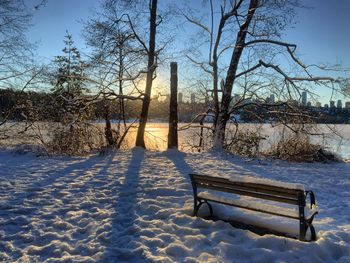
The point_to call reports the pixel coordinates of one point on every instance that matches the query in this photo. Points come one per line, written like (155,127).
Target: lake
(335,137)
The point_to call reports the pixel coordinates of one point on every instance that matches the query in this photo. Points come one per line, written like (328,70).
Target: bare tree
(17,69)
(131,15)
(16,60)
(251,31)
(116,60)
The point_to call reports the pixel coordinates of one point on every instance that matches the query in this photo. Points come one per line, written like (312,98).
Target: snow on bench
(277,192)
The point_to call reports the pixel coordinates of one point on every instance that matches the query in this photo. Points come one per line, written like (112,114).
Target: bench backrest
(257,190)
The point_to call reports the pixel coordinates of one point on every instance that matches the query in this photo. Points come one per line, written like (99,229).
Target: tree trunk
(140,141)
(224,113)
(215,89)
(108,128)
(173,119)
(120,77)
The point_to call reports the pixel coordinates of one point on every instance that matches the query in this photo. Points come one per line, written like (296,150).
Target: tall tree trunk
(140,141)
(173,119)
(215,65)
(215,89)
(120,76)
(224,113)
(108,128)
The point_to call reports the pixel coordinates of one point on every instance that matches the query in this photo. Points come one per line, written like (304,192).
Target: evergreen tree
(69,85)
(70,72)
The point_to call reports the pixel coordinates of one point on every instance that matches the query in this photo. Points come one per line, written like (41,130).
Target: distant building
(193,98)
(318,104)
(179,97)
(326,106)
(339,104)
(347,104)
(309,104)
(332,104)
(304,98)
(272,99)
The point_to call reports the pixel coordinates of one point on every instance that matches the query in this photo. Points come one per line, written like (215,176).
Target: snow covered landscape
(136,205)
(119,119)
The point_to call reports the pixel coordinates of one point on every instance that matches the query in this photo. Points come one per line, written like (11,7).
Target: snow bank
(136,206)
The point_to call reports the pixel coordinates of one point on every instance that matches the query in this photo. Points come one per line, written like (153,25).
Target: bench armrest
(312,198)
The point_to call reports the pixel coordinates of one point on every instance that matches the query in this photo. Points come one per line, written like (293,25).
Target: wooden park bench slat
(276,193)
(252,188)
(248,193)
(254,206)
(283,190)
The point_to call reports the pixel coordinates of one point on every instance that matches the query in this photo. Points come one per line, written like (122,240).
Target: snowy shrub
(245,143)
(197,140)
(299,148)
(76,139)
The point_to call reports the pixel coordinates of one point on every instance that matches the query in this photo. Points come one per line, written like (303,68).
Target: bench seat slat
(199,178)
(252,194)
(259,207)
(249,188)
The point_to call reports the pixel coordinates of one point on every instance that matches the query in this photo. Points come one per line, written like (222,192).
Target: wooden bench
(278,193)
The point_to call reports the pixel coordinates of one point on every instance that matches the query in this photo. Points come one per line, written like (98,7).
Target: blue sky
(51,21)
(322,32)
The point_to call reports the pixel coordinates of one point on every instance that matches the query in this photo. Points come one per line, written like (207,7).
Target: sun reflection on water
(156,136)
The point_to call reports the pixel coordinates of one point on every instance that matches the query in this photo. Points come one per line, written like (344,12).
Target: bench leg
(198,204)
(211,210)
(305,224)
(195,207)
(313,232)
(312,229)
(302,232)
(302,224)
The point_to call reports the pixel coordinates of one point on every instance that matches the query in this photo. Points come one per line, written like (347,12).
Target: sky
(321,33)
(52,20)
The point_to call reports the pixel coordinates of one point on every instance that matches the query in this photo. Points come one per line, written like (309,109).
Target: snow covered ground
(135,206)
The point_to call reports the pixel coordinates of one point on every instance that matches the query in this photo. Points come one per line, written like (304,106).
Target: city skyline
(192,98)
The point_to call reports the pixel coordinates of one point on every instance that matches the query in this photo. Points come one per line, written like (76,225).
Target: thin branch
(197,23)
(136,35)
(200,64)
(249,70)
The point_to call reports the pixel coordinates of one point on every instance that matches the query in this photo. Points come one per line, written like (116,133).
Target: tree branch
(197,23)
(200,64)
